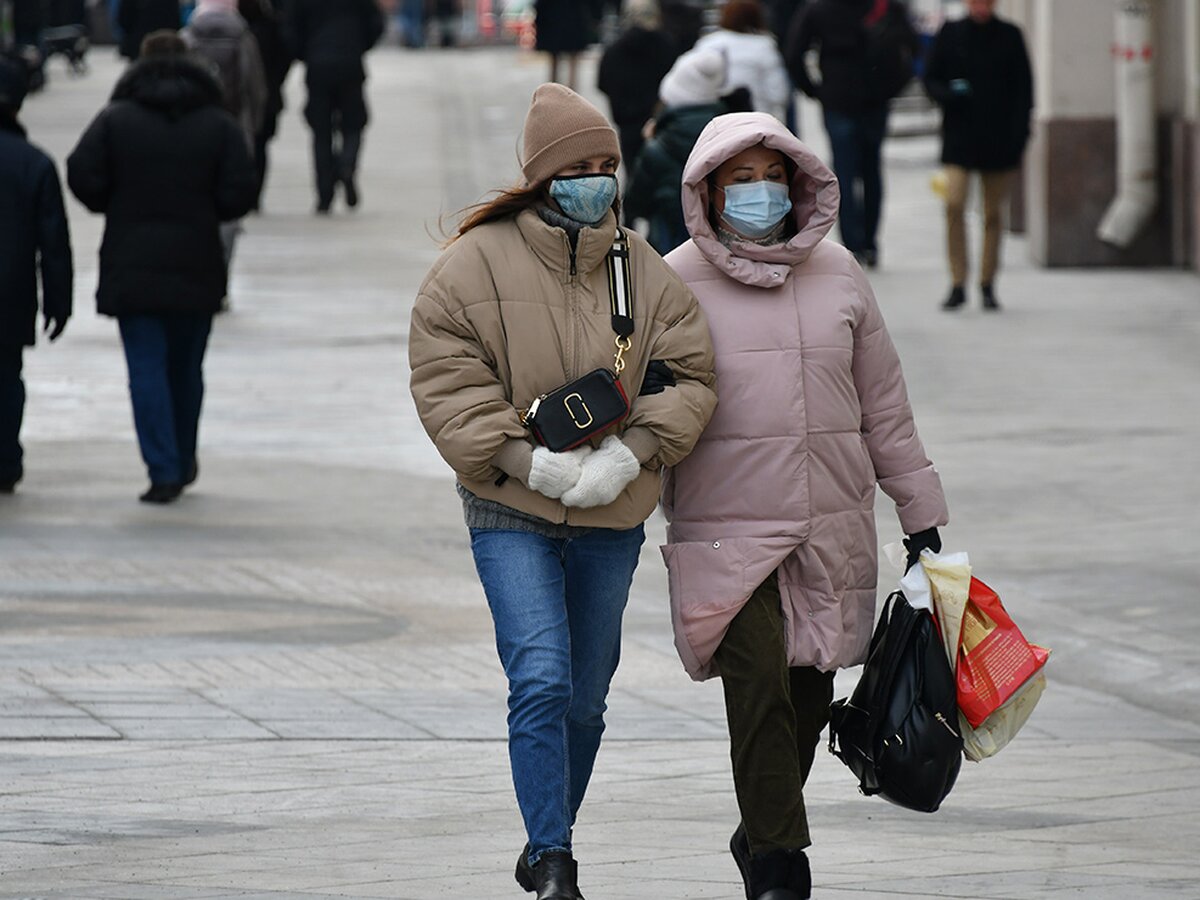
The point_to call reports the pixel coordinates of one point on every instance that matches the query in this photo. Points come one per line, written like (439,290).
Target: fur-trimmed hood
(172,85)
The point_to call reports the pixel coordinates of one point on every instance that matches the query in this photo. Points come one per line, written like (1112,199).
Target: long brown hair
(507,202)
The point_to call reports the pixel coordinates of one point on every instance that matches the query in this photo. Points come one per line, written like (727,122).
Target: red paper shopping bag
(994,659)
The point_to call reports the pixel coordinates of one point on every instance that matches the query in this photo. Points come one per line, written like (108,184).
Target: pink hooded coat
(812,414)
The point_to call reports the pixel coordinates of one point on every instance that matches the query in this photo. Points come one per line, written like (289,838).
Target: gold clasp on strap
(623,344)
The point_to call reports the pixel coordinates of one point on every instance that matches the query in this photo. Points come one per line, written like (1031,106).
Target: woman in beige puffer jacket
(771,544)
(517,306)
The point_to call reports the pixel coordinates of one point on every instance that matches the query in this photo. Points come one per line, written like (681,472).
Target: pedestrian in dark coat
(33,240)
(166,165)
(266,20)
(137,18)
(866,52)
(331,37)
(631,70)
(978,72)
(690,95)
(564,28)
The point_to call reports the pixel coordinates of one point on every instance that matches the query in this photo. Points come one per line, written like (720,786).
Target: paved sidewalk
(285,684)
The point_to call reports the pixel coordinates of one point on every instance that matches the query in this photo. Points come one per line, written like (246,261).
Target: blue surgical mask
(754,208)
(585,198)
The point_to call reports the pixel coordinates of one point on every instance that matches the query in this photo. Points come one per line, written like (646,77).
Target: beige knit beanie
(562,128)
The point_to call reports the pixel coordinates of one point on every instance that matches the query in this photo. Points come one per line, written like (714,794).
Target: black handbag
(568,415)
(896,731)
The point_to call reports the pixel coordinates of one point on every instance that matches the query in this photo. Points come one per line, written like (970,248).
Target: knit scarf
(777,235)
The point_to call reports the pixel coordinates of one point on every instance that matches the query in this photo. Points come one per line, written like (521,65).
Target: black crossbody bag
(568,415)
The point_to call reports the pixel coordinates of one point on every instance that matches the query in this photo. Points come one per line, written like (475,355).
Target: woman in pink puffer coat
(771,548)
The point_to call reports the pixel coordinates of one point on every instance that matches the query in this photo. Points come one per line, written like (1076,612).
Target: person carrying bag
(520,308)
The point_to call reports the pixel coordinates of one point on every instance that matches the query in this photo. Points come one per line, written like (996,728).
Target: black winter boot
(554,877)
(771,875)
(990,303)
(957,298)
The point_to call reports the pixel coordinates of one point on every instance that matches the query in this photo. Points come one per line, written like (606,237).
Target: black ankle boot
(990,302)
(162,493)
(957,298)
(555,877)
(771,876)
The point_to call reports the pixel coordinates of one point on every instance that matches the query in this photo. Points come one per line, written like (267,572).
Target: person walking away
(631,69)
(331,37)
(34,240)
(753,58)
(867,49)
(780,15)
(691,98)
(166,165)
(265,18)
(771,536)
(564,28)
(518,304)
(217,33)
(137,18)
(978,72)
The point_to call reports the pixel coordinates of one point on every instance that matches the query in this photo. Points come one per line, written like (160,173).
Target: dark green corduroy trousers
(776,714)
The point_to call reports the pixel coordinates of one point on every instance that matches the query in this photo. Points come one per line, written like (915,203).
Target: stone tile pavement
(284,686)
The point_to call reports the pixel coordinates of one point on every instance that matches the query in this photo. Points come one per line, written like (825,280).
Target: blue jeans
(12,410)
(857,145)
(165,356)
(557,606)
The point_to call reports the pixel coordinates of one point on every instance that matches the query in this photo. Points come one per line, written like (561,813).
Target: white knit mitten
(553,474)
(605,474)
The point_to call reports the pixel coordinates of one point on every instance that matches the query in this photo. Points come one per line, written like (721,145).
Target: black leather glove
(658,378)
(922,540)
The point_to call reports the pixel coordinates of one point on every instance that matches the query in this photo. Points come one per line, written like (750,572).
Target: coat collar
(552,245)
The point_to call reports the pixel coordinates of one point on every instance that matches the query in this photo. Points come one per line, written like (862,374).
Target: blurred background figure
(867,48)
(33,239)
(265,18)
(754,61)
(445,14)
(216,32)
(978,72)
(331,37)
(682,20)
(410,18)
(165,165)
(630,72)
(691,98)
(137,18)
(565,28)
(780,16)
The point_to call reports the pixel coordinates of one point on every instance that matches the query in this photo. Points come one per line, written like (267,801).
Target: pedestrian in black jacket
(691,98)
(33,239)
(630,71)
(137,18)
(266,20)
(978,72)
(331,37)
(166,165)
(866,49)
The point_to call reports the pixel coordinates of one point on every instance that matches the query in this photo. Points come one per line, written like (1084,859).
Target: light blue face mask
(754,208)
(585,198)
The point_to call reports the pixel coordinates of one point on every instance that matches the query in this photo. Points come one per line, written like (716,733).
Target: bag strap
(620,297)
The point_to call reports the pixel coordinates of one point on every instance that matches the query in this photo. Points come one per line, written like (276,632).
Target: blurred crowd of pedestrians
(670,68)
(173,162)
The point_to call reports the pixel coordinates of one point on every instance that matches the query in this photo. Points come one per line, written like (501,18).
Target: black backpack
(898,731)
